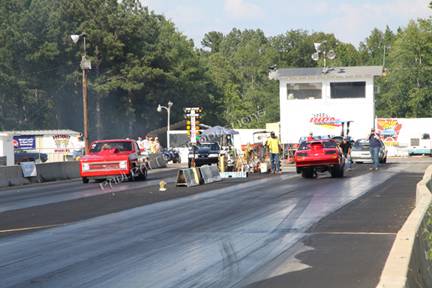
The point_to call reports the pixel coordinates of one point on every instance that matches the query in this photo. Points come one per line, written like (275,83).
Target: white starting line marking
(29,228)
(354,233)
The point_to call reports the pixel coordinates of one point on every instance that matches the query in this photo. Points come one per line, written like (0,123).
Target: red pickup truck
(113,158)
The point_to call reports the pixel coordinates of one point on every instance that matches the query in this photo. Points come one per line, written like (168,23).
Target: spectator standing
(274,147)
(374,148)
(310,137)
(152,145)
(346,150)
(157,145)
(146,144)
(140,144)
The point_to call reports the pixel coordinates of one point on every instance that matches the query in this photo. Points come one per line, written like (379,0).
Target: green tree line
(140,60)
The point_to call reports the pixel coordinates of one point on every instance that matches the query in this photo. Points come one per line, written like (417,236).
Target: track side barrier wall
(188,177)
(196,176)
(13,176)
(157,161)
(210,174)
(408,263)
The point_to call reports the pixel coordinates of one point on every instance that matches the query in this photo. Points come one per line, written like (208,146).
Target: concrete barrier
(157,161)
(58,171)
(210,174)
(407,264)
(13,176)
(188,177)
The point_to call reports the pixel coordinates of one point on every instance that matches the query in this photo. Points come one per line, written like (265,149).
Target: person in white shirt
(140,144)
(146,144)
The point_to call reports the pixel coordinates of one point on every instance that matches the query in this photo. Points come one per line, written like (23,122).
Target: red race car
(113,158)
(319,156)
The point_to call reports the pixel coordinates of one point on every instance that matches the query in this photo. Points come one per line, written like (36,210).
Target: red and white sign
(325,120)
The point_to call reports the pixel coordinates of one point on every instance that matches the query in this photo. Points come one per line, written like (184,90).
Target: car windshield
(211,146)
(329,144)
(120,146)
(326,144)
(361,145)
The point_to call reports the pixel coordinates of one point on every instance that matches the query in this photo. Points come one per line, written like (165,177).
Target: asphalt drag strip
(230,236)
(50,215)
(349,248)
(28,209)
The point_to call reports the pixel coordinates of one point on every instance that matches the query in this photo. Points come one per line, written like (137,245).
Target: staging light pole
(330,54)
(168,109)
(85,66)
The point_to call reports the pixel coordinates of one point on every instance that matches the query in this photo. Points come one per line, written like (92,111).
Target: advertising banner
(24,142)
(29,169)
(325,120)
(389,129)
(61,143)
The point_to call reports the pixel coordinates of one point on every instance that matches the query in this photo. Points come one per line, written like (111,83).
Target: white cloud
(240,9)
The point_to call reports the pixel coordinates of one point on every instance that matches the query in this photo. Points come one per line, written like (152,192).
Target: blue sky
(350,20)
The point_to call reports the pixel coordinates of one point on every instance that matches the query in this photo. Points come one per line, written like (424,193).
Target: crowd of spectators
(149,145)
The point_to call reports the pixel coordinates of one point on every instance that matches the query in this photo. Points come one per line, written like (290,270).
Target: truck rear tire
(143,174)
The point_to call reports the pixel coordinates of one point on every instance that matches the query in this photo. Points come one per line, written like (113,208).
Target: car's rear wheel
(85,180)
(337,171)
(308,173)
(333,172)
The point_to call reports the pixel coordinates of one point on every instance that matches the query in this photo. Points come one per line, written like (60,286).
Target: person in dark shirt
(374,148)
(346,150)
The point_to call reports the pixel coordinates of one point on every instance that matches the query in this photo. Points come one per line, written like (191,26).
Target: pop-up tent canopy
(218,131)
(218,134)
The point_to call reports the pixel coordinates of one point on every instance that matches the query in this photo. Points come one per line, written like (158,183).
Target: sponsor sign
(61,142)
(28,169)
(24,142)
(389,129)
(325,120)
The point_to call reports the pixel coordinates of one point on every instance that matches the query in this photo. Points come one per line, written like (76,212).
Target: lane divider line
(29,228)
(354,233)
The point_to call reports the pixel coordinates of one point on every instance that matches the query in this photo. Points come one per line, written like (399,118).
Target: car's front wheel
(85,180)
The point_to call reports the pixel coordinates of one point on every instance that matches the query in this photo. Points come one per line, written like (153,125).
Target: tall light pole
(384,54)
(168,109)
(85,66)
(330,54)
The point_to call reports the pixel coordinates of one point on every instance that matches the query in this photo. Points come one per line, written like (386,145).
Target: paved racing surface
(40,194)
(276,231)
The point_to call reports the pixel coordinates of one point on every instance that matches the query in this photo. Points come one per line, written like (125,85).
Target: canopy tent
(218,134)
(218,131)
